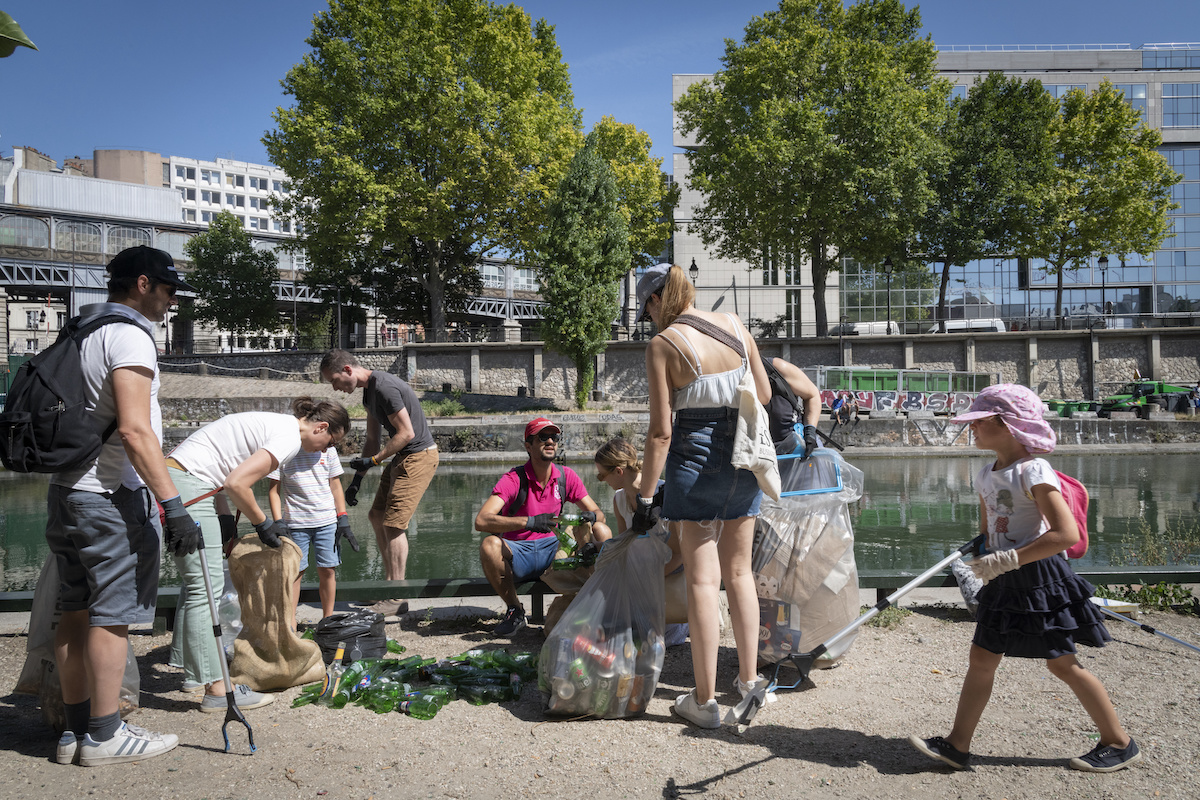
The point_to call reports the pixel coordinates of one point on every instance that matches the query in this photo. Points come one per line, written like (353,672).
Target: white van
(864,329)
(980,325)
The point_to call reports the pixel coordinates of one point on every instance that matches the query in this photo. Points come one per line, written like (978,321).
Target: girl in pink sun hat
(1032,604)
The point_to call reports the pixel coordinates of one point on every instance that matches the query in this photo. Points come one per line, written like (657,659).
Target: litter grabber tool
(744,711)
(1145,627)
(829,439)
(232,713)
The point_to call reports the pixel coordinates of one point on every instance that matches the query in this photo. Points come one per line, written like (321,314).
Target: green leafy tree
(11,35)
(997,161)
(235,283)
(584,254)
(647,198)
(817,136)
(425,134)
(1110,189)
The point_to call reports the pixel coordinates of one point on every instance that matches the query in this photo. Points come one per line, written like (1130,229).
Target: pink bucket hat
(1021,411)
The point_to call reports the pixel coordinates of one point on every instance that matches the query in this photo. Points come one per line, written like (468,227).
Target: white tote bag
(753,448)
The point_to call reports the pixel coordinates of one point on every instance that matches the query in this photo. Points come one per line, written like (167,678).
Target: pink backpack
(1076,495)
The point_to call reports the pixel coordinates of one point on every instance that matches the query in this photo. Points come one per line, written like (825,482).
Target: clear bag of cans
(605,654)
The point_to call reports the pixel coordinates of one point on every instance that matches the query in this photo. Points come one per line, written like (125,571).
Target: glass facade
(1181,105)
(1171,59)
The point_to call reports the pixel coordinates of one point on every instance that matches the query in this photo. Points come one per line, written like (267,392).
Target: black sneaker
(513,621)
(1106,758)
(943,751)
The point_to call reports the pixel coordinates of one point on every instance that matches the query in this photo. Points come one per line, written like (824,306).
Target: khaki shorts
(402,486)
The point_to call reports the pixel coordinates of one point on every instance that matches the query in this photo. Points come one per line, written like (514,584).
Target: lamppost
(841,349)
(693,272)
(1103,262)
(887,270)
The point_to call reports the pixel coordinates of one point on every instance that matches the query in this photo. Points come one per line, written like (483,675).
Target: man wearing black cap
(100,523)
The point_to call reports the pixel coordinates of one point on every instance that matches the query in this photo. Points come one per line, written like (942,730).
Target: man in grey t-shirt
(391,405)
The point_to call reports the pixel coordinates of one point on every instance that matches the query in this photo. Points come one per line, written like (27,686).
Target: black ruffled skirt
(1041,610)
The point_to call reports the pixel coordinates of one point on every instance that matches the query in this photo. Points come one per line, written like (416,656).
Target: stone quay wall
(1056,364)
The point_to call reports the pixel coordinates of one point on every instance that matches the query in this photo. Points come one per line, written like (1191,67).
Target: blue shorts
(320,538)
(532,557)
(701,483)
(107,549)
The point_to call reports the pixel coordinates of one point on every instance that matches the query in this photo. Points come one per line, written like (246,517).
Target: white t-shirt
(1013,519)
(109,348)
(626,512)
(304,488)
(215,450)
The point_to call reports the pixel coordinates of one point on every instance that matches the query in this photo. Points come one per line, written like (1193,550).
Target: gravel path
(840,735)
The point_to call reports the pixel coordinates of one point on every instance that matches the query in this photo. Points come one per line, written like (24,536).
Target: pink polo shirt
(542,499)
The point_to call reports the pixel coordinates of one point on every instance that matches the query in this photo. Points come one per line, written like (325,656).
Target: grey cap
(652,280)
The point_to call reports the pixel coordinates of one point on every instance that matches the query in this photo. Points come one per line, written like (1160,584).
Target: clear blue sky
(201,80)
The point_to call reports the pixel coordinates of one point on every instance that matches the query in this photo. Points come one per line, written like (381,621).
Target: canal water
(913,511)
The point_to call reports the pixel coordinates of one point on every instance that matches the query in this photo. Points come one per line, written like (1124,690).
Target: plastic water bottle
(229,614)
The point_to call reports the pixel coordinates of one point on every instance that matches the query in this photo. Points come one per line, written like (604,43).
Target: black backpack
(522,494)
(46,425)
(783,409)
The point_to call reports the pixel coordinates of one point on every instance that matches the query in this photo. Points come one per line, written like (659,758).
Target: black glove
(270,531)
(646,514)
(343,532)
(362,463)
(588,517)
(587,553)
(228,528)
(541,523)
(810,441)
(182,535)
(351,492)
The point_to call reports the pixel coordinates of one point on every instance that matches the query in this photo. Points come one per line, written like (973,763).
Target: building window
(210,177)
(238,181)
(189,215)
(259,183)
(166,173)
(525,280)
(276,226)
(207,216)
(31,345)
(258,204)
(172,242)
(81,237)
(188,195)
(62,319)
(185,173)
(210,197)
(254,223)
(1135,96)
(492,276)
(1171,59)
(31,320)
(235,200)
(959,92)
(24,232)
(1181,105)
(123,237)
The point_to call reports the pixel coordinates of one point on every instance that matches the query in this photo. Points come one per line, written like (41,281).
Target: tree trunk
(585,371)
(941,306)
(436,286)
(820,270)
(1058,295)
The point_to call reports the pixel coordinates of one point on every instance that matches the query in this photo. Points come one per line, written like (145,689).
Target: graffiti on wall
(937,402)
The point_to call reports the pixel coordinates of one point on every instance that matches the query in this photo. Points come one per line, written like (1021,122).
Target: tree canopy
(817,136)
(647,199)
(11,36)
(584,254)
(235,283)
(424,134)
(1109,190)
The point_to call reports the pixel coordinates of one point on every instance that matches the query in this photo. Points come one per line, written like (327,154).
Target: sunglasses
(602,476)
(549,437)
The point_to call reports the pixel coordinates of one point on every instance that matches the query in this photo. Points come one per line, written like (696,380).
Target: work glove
(182,536)
(646,514)
(362,463)
(995,564)
(587,553)
(270,531)
(540,523)
(228,528)
(351,492)
(588,517)
(810,441)
(343,532)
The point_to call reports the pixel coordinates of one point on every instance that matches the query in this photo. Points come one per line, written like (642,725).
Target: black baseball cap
(142,260)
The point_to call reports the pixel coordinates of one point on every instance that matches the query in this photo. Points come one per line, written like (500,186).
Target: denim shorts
(701,483)
(320,538)
(107,549)
(531,557)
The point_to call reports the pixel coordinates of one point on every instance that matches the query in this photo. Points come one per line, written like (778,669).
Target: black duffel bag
(362,632)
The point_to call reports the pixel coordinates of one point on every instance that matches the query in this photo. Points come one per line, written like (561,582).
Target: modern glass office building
(1161,288)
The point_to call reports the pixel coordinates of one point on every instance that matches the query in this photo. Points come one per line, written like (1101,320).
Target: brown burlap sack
(267,653)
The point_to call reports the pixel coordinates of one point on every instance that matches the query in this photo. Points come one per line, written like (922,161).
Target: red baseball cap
(538,425)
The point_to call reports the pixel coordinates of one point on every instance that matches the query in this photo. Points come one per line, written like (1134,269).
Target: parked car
(991,325)
(1141,396)
(864,329)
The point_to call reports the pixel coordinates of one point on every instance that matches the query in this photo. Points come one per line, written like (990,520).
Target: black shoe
(513,621)
(943,751)
(1106,758)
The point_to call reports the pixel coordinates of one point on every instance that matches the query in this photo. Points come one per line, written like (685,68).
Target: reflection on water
(912,511)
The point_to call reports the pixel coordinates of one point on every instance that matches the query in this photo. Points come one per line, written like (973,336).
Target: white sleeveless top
(718,390)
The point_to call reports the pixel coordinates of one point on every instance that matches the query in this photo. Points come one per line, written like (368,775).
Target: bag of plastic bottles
(605,654)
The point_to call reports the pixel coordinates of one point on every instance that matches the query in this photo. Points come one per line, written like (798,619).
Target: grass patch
(448,407)
(1177,543)
(358,411)
(888,619)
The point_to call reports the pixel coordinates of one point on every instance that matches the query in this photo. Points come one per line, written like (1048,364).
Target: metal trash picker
(744,711)
(1146,628)
(232,713)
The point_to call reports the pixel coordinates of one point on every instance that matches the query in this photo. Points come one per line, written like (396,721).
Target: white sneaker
(68,748)
(704,716)
(744,689)
(130,743)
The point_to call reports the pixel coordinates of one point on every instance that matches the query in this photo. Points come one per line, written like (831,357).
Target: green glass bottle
(419,707)
(394,647)
(308,694)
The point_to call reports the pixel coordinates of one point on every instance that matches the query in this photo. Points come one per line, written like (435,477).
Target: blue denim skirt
(701,484)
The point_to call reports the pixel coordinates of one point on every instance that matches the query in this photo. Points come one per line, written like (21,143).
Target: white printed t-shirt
(217,449)
(110,348)
(304,489)
(1013,519)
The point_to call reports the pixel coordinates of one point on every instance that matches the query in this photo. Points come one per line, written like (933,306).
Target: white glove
(994,564)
